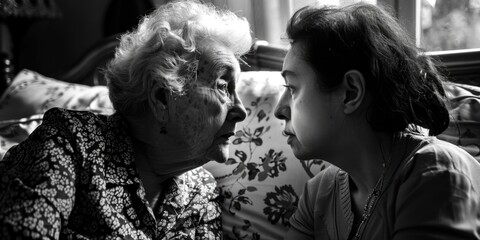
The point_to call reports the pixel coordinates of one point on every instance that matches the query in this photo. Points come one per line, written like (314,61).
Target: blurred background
(49,36)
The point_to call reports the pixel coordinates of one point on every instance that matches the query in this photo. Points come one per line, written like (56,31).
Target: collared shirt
(74,177)
(431,191)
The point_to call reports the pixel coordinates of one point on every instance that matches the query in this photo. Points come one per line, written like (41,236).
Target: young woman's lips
(290,136)
(290,139)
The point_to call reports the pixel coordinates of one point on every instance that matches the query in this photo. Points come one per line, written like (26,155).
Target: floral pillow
(262,181)
(32,93)
(14,131)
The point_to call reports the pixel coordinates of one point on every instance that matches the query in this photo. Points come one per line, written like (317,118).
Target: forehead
(215,56)
(294,64)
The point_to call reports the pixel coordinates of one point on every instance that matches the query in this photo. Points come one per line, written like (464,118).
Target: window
(436,25)
(449,25)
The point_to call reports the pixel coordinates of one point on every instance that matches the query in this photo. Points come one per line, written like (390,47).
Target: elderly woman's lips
(227,135)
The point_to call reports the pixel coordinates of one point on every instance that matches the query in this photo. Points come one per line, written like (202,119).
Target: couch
(261,182)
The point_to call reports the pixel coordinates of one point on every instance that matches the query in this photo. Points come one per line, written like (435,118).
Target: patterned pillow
(262,181)
(464,128)
(32,93)
(14,131)
(23,103)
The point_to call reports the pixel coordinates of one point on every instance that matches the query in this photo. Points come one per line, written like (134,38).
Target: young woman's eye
(289,88)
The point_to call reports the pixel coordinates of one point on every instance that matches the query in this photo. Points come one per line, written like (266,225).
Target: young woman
(360,95)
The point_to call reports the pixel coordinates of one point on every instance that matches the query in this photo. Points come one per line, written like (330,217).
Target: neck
(156,159)
(153,186)
(365,163)
(161,147)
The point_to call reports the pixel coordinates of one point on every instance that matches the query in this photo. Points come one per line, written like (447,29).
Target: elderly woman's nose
(238,112)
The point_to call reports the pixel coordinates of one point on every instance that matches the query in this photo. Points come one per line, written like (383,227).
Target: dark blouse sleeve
(37,186)
(302,220)
(439,199)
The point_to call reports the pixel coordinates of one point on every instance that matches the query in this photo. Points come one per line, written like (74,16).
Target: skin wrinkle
(205,105)
(193,123)
(197,121)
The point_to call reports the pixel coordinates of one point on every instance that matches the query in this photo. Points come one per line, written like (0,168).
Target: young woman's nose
(282,110)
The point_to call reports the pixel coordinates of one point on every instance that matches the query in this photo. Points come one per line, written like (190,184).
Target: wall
(50,46)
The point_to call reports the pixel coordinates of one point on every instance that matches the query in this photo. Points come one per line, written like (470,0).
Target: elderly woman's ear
(158,101)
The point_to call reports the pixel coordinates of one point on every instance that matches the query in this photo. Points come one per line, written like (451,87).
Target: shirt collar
(120,163)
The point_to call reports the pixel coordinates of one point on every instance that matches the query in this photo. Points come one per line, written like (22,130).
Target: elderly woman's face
(205,117)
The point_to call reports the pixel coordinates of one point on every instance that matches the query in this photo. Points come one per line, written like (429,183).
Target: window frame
(407,11)
(270,27)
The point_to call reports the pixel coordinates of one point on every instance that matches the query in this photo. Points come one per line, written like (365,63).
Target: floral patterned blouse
(75,178)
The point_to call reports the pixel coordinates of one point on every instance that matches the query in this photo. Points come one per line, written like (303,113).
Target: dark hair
(405,84)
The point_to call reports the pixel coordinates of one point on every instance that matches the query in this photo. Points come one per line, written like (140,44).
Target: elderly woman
(137,173)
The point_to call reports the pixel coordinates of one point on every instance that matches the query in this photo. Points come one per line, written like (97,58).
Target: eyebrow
(286,73)
(221,66)
(224,69)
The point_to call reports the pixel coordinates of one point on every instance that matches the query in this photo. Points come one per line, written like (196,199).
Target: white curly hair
(163,50)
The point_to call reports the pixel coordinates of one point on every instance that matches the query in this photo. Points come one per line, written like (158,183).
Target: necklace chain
(371,201)
(373,196)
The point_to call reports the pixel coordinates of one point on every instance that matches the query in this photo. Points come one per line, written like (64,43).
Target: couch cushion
(32,93)
(262,181)
(464,128)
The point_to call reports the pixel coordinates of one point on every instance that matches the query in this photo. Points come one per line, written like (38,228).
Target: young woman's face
(312,116)
(205,117)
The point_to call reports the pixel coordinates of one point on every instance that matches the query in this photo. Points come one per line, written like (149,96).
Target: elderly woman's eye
(222,86)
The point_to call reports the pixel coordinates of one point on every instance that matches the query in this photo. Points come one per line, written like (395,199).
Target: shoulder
(323,183)
(434,158)
(326,177)
(432,153)
(438,186)
(69,118)
(81,127)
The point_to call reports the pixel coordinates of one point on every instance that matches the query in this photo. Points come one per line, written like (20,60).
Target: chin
(302,155)
(218,154)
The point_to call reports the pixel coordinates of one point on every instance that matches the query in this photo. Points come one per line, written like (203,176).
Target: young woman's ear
(354,84)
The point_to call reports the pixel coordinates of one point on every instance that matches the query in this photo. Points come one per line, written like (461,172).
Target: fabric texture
(74,177)
(32,93)
(464,109)
(261,183)
(434,193)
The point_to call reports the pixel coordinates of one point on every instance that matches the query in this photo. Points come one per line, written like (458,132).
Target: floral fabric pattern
(261,182)
(74,177)
(32,93)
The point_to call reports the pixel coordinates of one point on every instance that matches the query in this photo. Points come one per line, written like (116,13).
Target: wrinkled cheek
(200,119)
